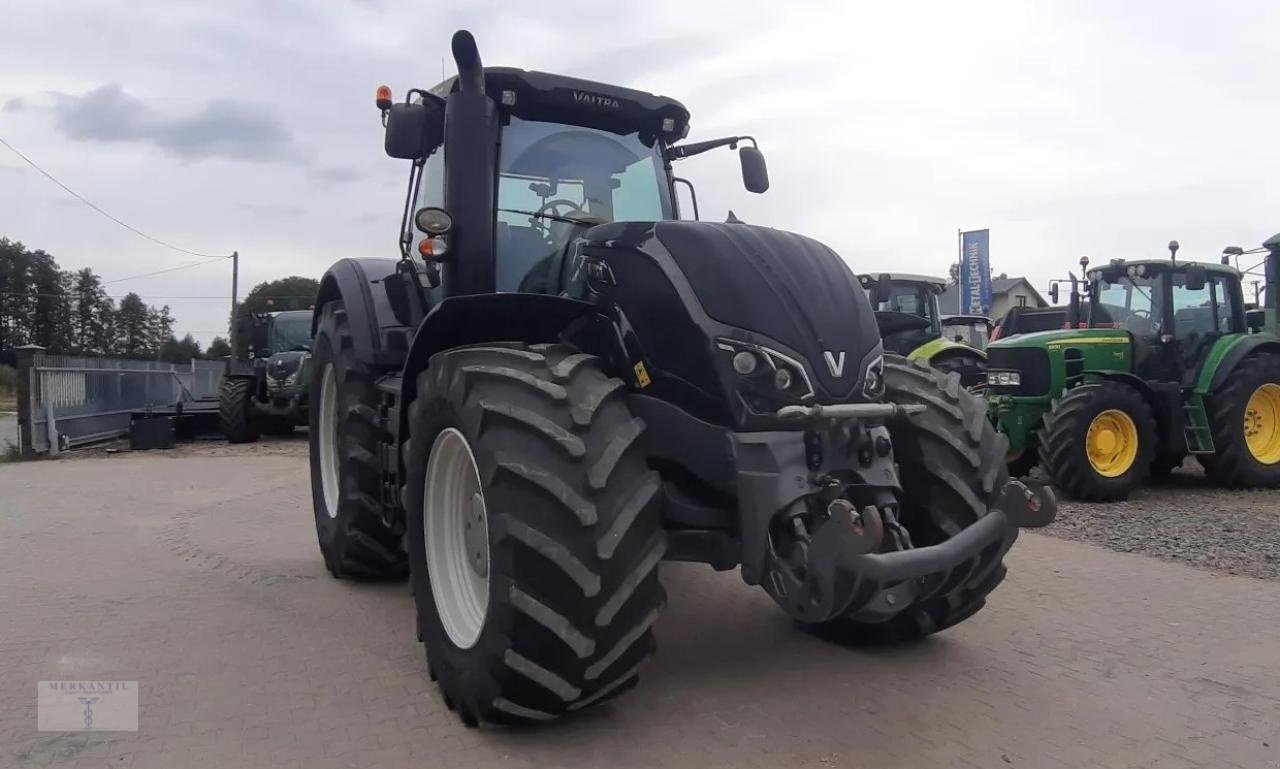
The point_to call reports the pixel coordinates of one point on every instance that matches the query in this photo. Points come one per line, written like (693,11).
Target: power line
(72,293)
(155,272)
(95,207)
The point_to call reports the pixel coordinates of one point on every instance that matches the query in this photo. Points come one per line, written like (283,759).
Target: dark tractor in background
(559,384)
(266,384)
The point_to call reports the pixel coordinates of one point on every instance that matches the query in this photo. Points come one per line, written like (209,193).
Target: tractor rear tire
(235,411)
(1093,410)
(1244,417)
(346,481)
(562,495)
(951,462)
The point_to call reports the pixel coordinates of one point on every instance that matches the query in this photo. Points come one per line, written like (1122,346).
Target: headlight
(873,383)
(767,372)
(1004,378)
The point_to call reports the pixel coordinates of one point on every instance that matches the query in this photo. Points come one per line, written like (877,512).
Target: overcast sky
(1067,128)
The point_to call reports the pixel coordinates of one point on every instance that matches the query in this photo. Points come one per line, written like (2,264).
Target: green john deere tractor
(906,308)
(1160,359)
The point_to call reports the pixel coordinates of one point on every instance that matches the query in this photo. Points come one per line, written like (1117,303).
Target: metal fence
(72,400)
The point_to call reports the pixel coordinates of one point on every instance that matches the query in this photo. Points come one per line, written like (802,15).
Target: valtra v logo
(835,361)
(595,100)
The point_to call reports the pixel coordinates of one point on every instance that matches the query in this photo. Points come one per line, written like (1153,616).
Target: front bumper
(842,575)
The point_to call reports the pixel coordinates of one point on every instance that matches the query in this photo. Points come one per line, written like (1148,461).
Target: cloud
(16,104)
(273,209)
(222,128)
(338,174)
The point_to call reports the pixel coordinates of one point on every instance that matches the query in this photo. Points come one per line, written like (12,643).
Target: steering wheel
(1140,315)
(551,205)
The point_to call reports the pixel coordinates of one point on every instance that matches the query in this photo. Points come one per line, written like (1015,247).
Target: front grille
(1031,362)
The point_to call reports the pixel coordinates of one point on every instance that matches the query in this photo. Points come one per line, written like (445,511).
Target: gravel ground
(1185,519)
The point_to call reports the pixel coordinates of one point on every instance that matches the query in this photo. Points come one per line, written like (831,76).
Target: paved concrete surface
(198,576)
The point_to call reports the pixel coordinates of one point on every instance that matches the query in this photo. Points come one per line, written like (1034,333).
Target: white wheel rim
(456,524)
(328,434)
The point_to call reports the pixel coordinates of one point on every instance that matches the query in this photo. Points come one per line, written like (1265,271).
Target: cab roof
(904,277)
(1165,264)
(571,100)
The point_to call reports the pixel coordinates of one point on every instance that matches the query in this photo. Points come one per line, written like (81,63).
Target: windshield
(974,333)
(291,331)
(555,180)
(913,299)
(1128,303)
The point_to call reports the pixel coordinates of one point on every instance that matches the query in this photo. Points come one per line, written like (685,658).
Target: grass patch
(8,388)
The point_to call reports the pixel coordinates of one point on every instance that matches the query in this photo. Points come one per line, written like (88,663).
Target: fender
(1226,354)
(1166,407)
(378,334)
(479,318)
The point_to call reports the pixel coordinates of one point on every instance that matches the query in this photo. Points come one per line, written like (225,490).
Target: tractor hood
(1063,337)
(284,364)
(782,286)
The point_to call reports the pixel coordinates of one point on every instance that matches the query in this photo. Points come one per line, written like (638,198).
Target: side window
(1193,313)
(430,193)
(1225,305)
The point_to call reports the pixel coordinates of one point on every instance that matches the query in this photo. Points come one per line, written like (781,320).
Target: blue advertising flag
(975,272)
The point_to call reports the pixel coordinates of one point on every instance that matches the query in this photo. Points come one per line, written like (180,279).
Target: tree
(174,350)
(292,293)
(92,315)
(218,348)
(159,328)
(133,327)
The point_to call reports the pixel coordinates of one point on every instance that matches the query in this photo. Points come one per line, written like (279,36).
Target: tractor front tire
(1098,442)
(1244,417)
(346,482)
(235,410)
(951,462)
(534,532)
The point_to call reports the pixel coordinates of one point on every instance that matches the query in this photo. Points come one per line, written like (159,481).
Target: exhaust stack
(467,57)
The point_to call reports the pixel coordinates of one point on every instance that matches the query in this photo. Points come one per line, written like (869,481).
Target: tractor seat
(519,250)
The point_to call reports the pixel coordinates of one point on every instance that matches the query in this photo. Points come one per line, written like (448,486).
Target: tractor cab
(906,308)
(1173,311)
(971,330)
(911,324)
(535,160)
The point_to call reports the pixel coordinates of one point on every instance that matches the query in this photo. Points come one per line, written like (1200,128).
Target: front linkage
(827,556)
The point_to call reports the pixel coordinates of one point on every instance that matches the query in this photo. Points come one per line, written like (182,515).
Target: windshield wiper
(1145,295)
(554,217)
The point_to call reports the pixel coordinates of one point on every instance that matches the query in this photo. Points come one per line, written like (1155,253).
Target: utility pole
(235,278)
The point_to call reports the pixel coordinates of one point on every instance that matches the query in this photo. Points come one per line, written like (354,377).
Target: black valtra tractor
(559,385)
(264,389)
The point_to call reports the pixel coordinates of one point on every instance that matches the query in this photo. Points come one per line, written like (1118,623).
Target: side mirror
(1196,277)
(755,174)
(1053,292)
(414,130)
(1254,320)
(884,288)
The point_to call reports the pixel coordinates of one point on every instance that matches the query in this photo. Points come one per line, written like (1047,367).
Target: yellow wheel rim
(1262,424)
(1112,443)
